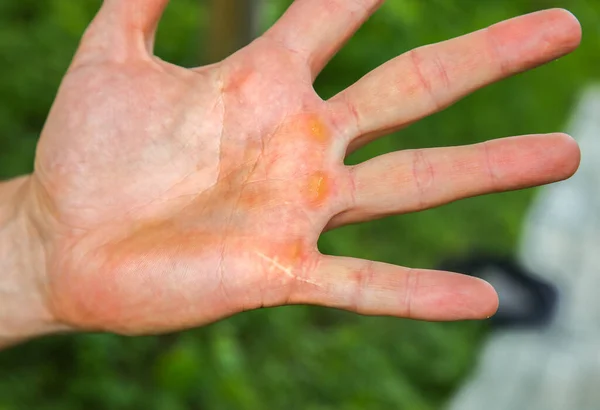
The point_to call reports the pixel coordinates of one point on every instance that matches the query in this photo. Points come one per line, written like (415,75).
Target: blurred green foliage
(296,357)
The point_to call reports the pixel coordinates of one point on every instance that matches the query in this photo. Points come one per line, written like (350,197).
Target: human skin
(166,198)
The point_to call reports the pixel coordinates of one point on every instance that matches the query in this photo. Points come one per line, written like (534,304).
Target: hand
(167,198)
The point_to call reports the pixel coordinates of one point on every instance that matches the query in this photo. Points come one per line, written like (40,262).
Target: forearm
(23,310)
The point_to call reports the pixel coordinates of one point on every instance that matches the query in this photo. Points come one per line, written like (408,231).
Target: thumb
(123,29)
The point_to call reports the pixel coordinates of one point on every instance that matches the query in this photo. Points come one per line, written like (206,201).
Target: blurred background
(296,357)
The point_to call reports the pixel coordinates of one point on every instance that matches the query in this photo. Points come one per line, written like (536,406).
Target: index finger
(317,29)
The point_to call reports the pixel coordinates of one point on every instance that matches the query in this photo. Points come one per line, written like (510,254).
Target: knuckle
(431,74)
(423,176)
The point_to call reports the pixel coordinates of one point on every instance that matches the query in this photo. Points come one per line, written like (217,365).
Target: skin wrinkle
(339,133)
(443,72)
(301,56)
(350,119)
(412,281)
(423,174)
(353,190)
(54,298)
(495,183)
(280,44)
(354,113)
(362,280)
(221,85)
(221,275)
(424,82)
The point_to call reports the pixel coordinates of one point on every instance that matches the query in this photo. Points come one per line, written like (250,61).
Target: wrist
(24,311)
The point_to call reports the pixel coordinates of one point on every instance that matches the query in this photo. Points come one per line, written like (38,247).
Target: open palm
(169,198)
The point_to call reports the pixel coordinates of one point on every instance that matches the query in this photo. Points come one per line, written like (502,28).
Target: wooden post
(233,24)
